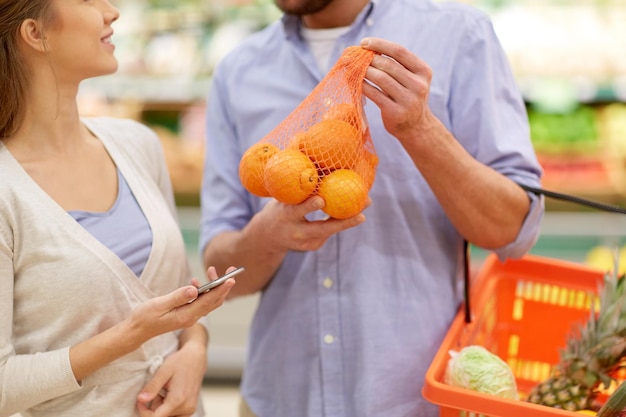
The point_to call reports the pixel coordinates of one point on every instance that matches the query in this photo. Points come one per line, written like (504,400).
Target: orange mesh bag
(323,147)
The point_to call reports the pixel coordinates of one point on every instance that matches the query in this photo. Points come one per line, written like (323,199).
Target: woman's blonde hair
(14,80)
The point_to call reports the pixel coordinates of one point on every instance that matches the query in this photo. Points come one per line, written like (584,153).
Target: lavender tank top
(123,228)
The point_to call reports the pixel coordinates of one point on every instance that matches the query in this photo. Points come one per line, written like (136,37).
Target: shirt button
(329,339)
(328,283)
(369,22)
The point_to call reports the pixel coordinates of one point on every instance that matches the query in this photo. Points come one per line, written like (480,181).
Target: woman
(98,311)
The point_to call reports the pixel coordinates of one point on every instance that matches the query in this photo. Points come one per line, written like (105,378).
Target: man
(352,311)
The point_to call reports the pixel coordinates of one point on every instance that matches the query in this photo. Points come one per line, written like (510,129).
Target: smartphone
(206,287)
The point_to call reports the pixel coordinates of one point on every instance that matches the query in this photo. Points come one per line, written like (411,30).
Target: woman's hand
(179,309)
(175,387)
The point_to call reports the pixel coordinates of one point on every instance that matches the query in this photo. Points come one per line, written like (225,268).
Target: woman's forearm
(197,334)
(98,351)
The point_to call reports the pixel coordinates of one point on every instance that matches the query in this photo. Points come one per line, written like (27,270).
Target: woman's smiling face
(78,39)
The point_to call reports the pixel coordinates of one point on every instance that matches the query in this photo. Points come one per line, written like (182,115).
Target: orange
(344,111)
(332,144)
(290,176)
(252,166)
(366,138)
(344,192)
(368,172)
(371,158)
(294,142)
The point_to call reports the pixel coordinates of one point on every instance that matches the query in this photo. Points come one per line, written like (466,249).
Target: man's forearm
(487,208)
(238,248)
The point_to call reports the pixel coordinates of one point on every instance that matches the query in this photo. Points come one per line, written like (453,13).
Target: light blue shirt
(349,330)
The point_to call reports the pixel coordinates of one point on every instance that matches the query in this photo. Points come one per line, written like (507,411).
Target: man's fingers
(332,226)
(398,52)
(309,205)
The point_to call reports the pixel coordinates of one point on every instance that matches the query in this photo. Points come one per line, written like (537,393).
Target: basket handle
(538,191)
(574,199)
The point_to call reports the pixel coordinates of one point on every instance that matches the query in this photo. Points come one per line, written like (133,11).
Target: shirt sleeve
(225,203)
(488,117)
(26,380)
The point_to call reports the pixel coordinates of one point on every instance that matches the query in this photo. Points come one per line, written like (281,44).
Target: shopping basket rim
(447,396)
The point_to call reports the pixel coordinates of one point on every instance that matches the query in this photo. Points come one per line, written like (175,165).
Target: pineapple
(588,358)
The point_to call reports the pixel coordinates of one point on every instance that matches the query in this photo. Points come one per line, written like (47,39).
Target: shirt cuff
(529,232)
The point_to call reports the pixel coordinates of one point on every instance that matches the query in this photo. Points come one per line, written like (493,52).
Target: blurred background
(569,57)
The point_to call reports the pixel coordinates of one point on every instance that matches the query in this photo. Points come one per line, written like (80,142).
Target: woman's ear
(32,34)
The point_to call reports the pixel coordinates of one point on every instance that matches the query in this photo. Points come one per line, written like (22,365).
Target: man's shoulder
(461,10)
(422,17)
(254,49)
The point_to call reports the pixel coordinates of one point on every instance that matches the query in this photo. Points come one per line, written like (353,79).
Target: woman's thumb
(180,297)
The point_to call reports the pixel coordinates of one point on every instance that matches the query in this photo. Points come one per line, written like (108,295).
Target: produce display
(572,132)
(583,150)
(545,41)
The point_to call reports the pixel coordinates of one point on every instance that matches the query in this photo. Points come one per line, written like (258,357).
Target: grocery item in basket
(328,128)
(616,404)
(475,368)
(593,353)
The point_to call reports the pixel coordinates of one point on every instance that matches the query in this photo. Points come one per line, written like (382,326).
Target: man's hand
(288,228)
(274,231)
(398,82)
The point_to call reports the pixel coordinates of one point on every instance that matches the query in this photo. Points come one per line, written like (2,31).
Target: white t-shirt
(322,42)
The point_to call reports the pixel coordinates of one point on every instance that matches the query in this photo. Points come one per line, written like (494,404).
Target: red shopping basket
(523,311)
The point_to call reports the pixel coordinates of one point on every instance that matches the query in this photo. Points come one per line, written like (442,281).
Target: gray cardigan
(59,285)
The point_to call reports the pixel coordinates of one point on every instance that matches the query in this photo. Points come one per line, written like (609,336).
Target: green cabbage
(475,368)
